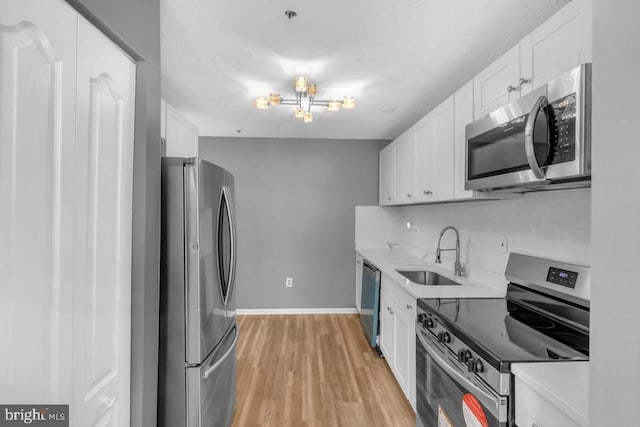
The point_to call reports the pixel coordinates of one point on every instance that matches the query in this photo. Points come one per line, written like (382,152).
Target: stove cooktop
(505,332)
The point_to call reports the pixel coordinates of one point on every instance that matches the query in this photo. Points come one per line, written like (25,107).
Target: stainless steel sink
(428,278)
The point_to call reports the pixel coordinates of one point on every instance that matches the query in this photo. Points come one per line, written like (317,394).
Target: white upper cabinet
(386,174)
(559,44)
(441,163)
(181,136)
(403,169)
(434,154)
(463,115)
(497,84)
(423,131)
(556,46)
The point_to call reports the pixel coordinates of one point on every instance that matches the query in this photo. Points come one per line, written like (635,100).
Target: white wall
(615,296)
(552,224)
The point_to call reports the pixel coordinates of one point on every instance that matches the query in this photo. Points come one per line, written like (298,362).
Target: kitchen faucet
(457,270)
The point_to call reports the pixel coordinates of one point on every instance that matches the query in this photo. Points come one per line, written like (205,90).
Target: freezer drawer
(211,386)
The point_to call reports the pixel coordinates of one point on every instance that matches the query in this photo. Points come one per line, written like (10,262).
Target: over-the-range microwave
(541,141)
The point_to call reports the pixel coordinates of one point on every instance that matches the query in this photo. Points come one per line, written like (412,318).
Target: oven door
(449,396)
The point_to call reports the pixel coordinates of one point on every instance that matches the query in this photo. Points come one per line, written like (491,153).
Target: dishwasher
(370,303)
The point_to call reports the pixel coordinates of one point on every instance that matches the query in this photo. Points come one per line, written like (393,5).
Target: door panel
(102,294)
(37,67)
(212,386)
(206,322)
(490,85)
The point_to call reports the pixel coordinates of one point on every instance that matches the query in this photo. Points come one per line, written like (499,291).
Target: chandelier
(305,99)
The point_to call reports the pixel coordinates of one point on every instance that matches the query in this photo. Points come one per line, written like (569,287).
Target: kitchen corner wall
(552,224)
(295,203)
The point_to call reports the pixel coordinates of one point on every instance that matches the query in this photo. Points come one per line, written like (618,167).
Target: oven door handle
(486,397)
(541,102)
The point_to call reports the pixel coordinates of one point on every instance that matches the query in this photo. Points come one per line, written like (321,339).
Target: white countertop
(565,384)
(388,261)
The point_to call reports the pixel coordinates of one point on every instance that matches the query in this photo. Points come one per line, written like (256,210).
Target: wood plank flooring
(316,371)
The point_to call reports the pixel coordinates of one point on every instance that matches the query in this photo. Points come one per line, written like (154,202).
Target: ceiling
(398,58)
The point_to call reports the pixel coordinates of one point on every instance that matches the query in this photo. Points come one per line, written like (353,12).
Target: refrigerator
(198,329)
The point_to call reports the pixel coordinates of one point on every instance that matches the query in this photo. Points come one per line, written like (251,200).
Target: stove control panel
(469,361)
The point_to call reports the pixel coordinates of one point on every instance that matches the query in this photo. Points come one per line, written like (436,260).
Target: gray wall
(295,207)
(615,232)
(136,27)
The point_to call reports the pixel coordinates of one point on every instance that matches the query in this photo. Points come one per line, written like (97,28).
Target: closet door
(37,143)
(102,295)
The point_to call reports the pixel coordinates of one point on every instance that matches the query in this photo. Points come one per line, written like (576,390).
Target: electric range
(465,346)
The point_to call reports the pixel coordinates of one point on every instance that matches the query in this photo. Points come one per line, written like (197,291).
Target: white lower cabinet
(397,330)
(358,283)
(535,410)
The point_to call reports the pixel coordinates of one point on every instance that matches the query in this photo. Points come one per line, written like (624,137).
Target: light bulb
(301,84)
(274,99)
(348,102)
(334,105)
(308,117)
(299,113)
(262,102)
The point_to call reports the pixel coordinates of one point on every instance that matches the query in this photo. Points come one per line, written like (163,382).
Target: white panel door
(37,108)
(498,84)
(102,296)
(553,48)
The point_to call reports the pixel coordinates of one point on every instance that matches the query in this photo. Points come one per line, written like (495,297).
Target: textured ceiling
(398,58)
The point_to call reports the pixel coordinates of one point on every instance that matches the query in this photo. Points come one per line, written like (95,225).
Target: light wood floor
(314,370)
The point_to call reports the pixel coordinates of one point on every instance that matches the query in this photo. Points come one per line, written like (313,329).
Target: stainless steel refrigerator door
(211,387)
(227,252)
(205,309)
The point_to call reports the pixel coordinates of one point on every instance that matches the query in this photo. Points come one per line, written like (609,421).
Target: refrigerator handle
(220,361)
(232,234)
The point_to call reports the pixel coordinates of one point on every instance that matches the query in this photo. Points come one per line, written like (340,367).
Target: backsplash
(552,224)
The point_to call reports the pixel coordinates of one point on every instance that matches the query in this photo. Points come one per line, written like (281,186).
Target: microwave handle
(541,102)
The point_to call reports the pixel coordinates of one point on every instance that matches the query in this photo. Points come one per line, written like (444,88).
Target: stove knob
(471,366)
(479,366)
(446,338)
(429,323)
(422,319)
(464,356)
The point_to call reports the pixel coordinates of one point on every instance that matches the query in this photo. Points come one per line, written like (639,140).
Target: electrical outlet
(502,244)
(288,282)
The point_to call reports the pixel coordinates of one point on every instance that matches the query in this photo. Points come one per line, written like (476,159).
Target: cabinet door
(103,215)
(441,164)
(463,107)
(491,87)
(37,178)
(387,338)
(423,131)
(553,48)
(402,336)
(358,284)
(386,174)
(403,168)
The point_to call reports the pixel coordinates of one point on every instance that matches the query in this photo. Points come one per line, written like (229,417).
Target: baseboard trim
(267,311)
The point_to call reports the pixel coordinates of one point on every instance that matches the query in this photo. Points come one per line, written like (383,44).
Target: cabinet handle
(427,192)
(388,198)
(409,195)
(511,89)
(409,307)
(523,81)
